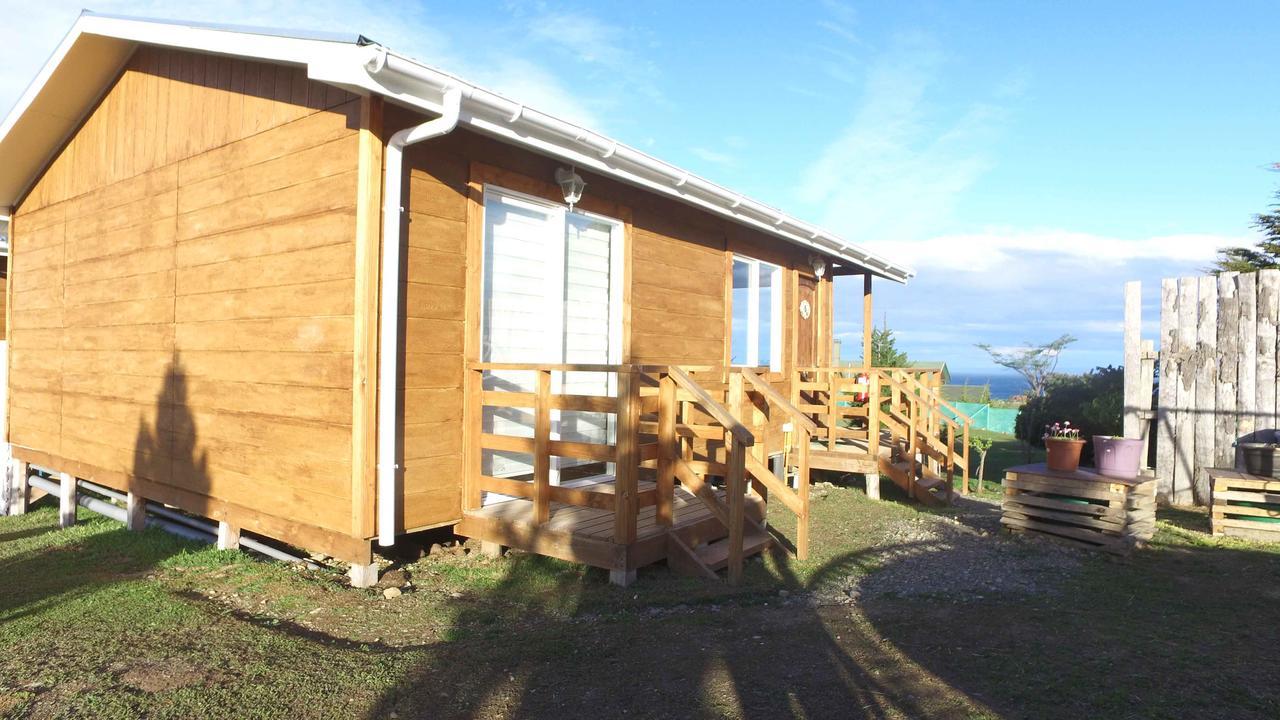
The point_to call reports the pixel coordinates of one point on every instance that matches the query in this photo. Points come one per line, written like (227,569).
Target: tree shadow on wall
(167,452)
(164,453)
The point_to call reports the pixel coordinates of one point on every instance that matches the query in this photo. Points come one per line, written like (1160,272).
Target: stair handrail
(795,500)
(717,411)
(738,438)
(965,422)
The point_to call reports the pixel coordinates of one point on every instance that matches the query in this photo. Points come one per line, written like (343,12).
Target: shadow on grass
(1157,634)
(733,654)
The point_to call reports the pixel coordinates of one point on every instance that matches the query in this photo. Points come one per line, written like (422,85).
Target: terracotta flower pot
(1063,454)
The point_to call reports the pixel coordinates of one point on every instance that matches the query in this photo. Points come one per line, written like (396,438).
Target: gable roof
(95,50)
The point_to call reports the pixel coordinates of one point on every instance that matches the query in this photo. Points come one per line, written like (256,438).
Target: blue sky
(1025,158)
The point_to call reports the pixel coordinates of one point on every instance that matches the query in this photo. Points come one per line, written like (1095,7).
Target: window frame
(753,313)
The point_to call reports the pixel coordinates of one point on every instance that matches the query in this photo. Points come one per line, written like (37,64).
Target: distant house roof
(932,365)
(97,47)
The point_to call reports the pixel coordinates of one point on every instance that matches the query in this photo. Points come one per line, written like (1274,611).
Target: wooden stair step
(715,555)
(842,461)
(931,482)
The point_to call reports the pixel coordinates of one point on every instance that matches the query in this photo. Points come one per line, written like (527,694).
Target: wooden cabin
(205,222)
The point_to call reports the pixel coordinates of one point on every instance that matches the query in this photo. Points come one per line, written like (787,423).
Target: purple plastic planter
(1117,457)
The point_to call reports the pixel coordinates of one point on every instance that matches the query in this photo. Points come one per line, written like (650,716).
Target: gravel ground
(964,556)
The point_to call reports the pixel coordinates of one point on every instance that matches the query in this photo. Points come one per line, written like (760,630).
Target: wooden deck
(586,534)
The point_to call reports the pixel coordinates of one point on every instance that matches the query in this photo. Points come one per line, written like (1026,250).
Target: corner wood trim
(364,381)
(316,539)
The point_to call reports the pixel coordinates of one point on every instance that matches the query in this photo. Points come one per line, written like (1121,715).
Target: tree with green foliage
(1035,363)
(884,349)
(982,445)
(1265,254)
(1092,402)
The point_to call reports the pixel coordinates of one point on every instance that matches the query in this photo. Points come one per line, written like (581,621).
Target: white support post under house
(135,517)
(228,536)
(67,500)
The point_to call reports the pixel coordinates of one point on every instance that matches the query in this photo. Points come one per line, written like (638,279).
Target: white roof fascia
(373,69)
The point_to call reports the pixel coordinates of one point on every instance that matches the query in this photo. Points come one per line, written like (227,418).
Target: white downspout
(389,315)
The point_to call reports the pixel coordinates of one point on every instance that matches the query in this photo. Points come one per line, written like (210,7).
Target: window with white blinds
(551,294)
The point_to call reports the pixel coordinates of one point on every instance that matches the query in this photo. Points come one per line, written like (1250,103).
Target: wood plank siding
(183,292)
(676,295)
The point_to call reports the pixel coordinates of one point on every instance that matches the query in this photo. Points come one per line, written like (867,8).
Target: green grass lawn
(99,622)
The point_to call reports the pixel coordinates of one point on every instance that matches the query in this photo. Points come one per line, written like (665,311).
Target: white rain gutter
(389,315)
(405,80)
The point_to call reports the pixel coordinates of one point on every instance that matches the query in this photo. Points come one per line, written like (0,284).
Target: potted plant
(1116,456)
(1261,458)
(1063,445)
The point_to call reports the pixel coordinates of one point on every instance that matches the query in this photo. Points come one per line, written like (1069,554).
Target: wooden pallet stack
(1081,508)
(1245,506)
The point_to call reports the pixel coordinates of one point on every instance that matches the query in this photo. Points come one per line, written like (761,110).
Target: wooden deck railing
(659,410)
(904,401)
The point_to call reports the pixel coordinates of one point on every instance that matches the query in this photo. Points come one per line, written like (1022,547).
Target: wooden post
(913,419)
(67,500)
(625,481)
(228,536)
(1268,315)
(873,413)
(135,512)
(473,424)
(1227,365)
(1166,414)
(951,461)
(1247,371)
(867,326)
(1206,402)
(541,449)
(1184,380)
(965,460)
(1132,361)
(736,491)
(668,446)
(802,488)
(833,409)
(364,361)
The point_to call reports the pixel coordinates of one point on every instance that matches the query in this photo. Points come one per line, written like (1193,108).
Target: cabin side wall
(183,296)
(676,302)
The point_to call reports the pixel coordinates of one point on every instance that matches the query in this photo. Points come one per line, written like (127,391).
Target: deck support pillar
(363,575)
(229,537)
(491,549)
(135,512)
(67,500)
(873,485)
(19,494)
(622,578)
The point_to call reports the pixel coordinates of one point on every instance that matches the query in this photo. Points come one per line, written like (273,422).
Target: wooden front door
(807,323)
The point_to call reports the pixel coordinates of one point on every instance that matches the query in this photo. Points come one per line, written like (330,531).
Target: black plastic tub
(1261,458)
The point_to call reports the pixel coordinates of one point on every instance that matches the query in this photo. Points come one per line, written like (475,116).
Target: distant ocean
(1003,386)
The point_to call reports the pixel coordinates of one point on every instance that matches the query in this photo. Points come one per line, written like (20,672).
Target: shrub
(1092,401)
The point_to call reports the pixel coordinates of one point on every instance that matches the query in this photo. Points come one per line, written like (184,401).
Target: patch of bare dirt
(155,676)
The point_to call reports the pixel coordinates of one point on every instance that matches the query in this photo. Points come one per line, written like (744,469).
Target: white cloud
(713,156)
(900,165)
(1006,249)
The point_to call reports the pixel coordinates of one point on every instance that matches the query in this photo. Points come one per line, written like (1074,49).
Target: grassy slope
(97,621)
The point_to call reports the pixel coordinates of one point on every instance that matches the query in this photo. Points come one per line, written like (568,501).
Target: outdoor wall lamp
(819,265)
(571,184)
